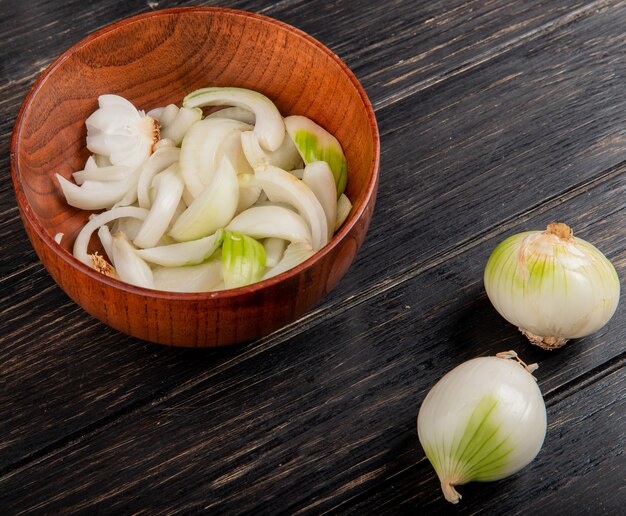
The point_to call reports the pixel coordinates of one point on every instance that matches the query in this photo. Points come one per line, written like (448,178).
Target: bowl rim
(72,261)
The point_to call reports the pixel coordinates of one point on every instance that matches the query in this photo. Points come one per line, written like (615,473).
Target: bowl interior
(158,58)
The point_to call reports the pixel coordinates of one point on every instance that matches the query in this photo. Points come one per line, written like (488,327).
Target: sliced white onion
(204,277)
(163,142)
(212,209)
(281,186)
(269,125)
(201,152)
(235,113)
(121,132)
(160,160)
(104,234)
(128,265)
(95,173)
(82,239)
(295,254)
(243,260)
(319,178)
(271,221)
(316,144)
(165,115)
(169,189)
(185,118)
(96,195)
(184,253)
(344,206)
(249,191)
(274,250)
(127,225)
(286,156)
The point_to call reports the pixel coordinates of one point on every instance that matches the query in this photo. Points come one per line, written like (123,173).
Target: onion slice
(82,239)
(128,266)
(235,113)
(169,189)
(212,209)
(271,221)
(158,162)
(204,277)
(316,144)
(97,195)
(281,186)
(269,126)
(183,253)
(274,250)
(243,260)
(344,206)
(184,119)
(203,148)
(286,156)
(295,254)
(319,178)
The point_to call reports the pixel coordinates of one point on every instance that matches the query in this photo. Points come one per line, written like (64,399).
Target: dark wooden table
(495,117)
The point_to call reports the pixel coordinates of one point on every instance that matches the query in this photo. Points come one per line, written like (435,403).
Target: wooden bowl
(154,59)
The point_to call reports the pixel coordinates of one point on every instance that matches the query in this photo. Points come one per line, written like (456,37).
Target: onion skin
(552,285)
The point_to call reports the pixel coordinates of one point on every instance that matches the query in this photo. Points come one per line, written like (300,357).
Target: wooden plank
(315,423)
(106,374)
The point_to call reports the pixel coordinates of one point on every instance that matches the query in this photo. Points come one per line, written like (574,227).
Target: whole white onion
(482,421)
(551,285)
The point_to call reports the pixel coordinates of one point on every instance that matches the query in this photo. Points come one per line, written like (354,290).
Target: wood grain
(496,117)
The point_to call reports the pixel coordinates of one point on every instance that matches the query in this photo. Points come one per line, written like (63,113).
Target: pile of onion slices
(197,203)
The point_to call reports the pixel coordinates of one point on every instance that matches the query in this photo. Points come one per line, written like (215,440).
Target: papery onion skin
(552,285)
(483,421)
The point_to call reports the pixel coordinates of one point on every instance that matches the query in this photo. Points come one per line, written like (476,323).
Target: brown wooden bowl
(156,58)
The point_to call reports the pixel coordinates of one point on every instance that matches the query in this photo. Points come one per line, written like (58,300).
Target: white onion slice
(129,226)
(281,186)
(128,266)
(201,151)
(185,118)
(269,126)
(249,191)
(344,206)
(82,239)
(319,178)
(183,253)
(104,234)
(295,254)
(235,113)
(160,160)
(271,221)
(95,173)
(212,209)
(169,189)
(165,115)
(286,156)
(274,250)
(96,195)
(204,277)
(121,132)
